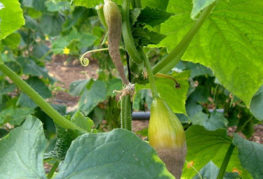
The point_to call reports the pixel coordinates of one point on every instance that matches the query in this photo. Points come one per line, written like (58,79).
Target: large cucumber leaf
(22,151)
(115,154)
(256,105)
(204,146)
(229,42)
(160,4)
(250,154)
(11,17)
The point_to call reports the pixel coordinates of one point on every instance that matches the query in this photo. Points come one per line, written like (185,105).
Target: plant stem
(136,54)
(47,108)
(126,113)
(53,169)
(226,161)
(240,128)
(168,62)
(150,75)
(229,153)
(136,3)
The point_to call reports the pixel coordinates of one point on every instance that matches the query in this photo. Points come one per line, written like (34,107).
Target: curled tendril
(84,60)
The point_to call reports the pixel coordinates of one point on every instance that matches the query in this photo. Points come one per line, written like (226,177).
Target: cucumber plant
(200,59)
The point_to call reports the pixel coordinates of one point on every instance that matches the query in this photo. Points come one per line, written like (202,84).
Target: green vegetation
(200,59)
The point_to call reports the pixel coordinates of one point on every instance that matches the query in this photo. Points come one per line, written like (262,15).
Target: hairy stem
(47,108)
(126,113)
(137,3)
(150,75)
(226,161)
(167,63)
(133,52)
(229,153)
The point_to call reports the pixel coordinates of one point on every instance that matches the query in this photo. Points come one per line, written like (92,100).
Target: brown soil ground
(66,73)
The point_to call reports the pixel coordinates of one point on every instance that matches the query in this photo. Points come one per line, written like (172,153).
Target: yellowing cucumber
(167,136)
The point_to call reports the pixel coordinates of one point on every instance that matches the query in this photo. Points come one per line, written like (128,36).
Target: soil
(67,72)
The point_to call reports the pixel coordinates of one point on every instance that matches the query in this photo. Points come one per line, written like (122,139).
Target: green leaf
(250,155)
(12,41)
(153,16)
(41,50)
(14,116)
(3,132)
(31,23)
(33,13)
(112,85)
(115,154)
(175,96)
(92,97)
(204,146)
(233,175)
(31,68)
(38,85)
(22,151)
(91,3)
(11,16)
(142,100)
(35,4)
(144,36)
(195,68)
(256,105)
(6,88)
(214,122)
(134,14)
(199,5)
(77,87)
(210,171)
(51,24)
(160,4)
(85,40)
(57,6)
(192,107)
(229,42)
(83,122)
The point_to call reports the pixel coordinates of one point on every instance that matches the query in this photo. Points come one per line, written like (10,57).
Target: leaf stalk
(46,107)
(226,161)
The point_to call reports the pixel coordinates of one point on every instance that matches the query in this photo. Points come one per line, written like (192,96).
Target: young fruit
(114,20)
(167,136)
